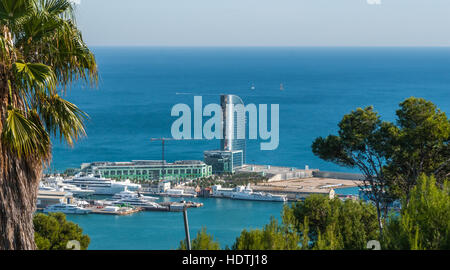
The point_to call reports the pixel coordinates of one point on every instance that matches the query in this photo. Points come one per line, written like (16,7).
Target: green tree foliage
(391,156)
(362,142)
(53,231)
(272,237)
(421,145)
(335,224)
(42,53)
(331,239)
(424,222)
(41,50)
(203,241)
(320,223)
(316,223)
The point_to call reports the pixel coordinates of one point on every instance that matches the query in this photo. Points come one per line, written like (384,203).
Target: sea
(313,87)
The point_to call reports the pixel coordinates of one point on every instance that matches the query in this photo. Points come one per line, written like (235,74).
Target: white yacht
(246,193)
(56,184)
(76,191)
(66,209)
(139,202)
(45,187)
(126,194)
(102,186)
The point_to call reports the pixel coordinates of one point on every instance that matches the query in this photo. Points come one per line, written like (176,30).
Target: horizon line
(271,46)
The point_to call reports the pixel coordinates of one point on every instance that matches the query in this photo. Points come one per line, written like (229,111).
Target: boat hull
(70,212)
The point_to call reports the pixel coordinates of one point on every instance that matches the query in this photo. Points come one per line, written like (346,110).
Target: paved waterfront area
(305,186)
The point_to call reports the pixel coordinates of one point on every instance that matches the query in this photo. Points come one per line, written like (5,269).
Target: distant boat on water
(253,87)
(281,87)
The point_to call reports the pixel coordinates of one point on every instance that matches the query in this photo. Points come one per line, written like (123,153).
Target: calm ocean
(139,86)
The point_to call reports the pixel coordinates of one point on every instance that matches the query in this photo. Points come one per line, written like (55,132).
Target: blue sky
(264,22)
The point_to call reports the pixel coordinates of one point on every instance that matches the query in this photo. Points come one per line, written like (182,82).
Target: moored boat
(66,209)
(102,186)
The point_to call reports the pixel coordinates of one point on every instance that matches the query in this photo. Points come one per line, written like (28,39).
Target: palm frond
(24,136)
(35,28)
(35,76)
(70,57)
(62,8)
(12,10)
(62,118)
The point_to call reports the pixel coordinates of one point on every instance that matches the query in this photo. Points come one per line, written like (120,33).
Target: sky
(264,22)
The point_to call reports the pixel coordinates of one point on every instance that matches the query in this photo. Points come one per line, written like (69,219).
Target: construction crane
(162,149)
(185,218)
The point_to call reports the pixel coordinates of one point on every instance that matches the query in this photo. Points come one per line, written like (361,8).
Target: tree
(272,237)
(331,239)
(203,241)
(315,223)
(41,53)
(53,231)
(421,146)
(333,224)
(363,142)
(391,156)
(424,222)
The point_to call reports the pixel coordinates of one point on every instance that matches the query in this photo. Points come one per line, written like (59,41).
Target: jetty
(179,206)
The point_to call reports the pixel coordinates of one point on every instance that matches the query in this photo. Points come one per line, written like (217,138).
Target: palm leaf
(62,118)
(23,136)
(36,27)
(63,8)
(12,10)
(35,76)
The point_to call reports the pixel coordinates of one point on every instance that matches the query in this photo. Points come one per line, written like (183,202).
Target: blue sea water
(139,86)
(224,218)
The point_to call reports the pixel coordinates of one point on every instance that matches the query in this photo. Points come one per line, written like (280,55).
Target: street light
(186,228)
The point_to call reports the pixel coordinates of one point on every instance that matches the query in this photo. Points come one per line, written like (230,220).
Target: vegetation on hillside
(408,161)
(53,232)
(203,241)
(391,156)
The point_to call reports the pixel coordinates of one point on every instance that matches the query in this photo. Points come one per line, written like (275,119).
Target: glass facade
(234,125)
(223,161)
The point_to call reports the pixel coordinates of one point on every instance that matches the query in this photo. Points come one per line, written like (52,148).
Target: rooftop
(141,163)
(271,169)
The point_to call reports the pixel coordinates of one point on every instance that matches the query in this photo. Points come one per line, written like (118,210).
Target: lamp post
(186,228)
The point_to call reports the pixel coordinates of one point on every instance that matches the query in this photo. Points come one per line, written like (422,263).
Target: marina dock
(99,207)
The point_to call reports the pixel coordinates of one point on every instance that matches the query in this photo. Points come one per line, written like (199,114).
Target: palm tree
(41,54)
